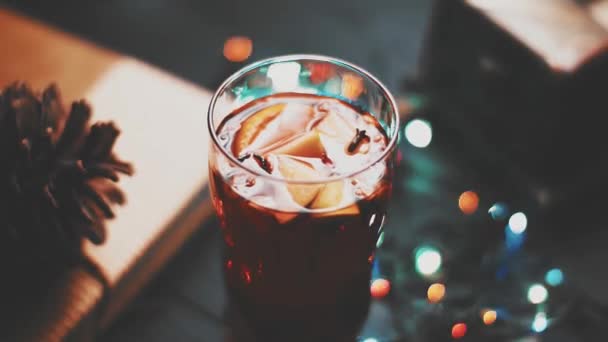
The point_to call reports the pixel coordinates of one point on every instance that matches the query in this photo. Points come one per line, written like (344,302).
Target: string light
(518,223)
(238,48)
(380,288)
(435,293)
(540,322)
(428,260)
(489,317)
(537,294)
(554,277)
(459,330)
(468,202)
(419,133)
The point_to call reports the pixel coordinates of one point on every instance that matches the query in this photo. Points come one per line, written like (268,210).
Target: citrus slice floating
(305,145)
(330,196)
(253,125)
(294,170)
(333,125)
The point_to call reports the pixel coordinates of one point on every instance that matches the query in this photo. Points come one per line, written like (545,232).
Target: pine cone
(57,175)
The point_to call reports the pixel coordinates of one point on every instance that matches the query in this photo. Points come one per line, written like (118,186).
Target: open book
(162,120)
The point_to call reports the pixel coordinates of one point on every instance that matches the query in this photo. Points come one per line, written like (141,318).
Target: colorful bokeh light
(537,294)
(468,202)
(284,76)
(380,288)
(352,86)
(380,240)
(459,330)
(419,133)
(435,293)
(238,48)
(321,72)
(428,260)
(518,223)
(540,322)
(554,277)
(499,211)
(246,275)
(489,317)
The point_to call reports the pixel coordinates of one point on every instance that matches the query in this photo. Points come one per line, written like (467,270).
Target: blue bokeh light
(540,322)
(554,277)
(499,211)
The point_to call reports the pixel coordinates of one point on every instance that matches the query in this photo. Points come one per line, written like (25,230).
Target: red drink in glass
(301,183)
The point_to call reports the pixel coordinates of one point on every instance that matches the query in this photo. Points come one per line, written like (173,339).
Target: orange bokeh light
(468,202)
(352,86)
(459,330)
(489,317)
(380,288)
(238,48)
(435,293)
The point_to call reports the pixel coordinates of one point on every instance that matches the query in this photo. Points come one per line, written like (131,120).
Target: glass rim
(299,57)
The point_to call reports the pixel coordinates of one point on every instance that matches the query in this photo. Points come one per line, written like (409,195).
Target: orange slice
(306,145)
(330,197)
(253,125)
(333,125)
(294,170)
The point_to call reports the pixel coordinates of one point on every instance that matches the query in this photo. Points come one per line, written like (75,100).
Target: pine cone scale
(57,173)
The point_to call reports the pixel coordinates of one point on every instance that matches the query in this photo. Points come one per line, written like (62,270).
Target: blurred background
(502,143)
(186,37)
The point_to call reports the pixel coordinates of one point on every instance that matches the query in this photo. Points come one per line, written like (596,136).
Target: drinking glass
(301,275)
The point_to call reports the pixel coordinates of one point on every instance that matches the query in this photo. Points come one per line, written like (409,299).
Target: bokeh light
(380,240)
(468,202)
(513,241)
(537,294)
(428,260)
(321,72)
(498,211)
(370,339)
(246,275)
(459,330)
(380,288)
(352,86)
(554,277)
(489,317)
(419,133)
(518,223)
(435,293)
(540,322)
(284,75)
(238,48)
